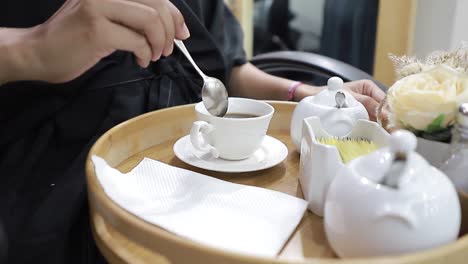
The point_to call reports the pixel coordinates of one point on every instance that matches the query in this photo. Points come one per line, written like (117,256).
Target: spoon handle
(184,50)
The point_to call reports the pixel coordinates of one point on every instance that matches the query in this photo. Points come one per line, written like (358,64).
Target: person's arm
(82,32)
(248,81)
(13,54)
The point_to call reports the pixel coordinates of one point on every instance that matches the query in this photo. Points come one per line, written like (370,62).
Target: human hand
(82,32)
(368,94)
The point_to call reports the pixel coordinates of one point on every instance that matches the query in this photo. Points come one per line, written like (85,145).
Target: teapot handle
(397,212)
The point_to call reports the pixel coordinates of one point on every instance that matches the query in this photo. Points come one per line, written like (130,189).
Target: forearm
(248,81)
(14,55)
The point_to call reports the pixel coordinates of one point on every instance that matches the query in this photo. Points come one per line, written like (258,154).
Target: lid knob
(335,84)
(402,141)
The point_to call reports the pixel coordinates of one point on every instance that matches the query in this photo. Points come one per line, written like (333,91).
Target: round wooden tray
(125,238)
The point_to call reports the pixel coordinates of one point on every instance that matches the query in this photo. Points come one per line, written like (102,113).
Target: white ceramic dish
(336,121)
(365,217)
(271,153)
(320,163)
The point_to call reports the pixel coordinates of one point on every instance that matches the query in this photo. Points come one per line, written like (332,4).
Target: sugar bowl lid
(334,95)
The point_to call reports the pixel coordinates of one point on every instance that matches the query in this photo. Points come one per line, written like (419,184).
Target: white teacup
(235,136)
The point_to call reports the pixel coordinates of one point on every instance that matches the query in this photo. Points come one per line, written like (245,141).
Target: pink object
(292,90)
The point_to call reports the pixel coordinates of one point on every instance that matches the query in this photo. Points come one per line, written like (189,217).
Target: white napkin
(221,214)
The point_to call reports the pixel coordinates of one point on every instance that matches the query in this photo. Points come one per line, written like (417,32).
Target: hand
(82,32)
(368,93)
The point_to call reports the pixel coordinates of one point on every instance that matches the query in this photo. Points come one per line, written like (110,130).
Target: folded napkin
(221,214)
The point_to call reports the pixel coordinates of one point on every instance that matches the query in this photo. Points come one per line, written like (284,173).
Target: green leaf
(436,125)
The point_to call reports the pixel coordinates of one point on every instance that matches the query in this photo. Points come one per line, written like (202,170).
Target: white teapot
(389,202)
(337,110)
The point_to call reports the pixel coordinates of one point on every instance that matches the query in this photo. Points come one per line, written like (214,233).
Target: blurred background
(359,32)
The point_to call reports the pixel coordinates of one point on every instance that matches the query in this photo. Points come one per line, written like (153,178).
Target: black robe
(47,130)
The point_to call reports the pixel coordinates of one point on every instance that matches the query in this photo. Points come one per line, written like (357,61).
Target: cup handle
(199,128)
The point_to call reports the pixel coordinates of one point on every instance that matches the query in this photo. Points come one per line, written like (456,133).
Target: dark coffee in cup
(240,115)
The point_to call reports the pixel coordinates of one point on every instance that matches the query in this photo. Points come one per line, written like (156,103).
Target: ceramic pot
(365,218)
(336,120)
(320,163)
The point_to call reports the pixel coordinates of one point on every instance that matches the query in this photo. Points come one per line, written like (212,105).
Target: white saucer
(271,153)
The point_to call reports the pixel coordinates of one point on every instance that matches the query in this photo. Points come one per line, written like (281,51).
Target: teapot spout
(401,213)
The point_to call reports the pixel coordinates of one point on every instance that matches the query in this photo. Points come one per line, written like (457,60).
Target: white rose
(418,99)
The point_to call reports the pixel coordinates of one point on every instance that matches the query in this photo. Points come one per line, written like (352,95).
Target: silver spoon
(214,93)
(340,99)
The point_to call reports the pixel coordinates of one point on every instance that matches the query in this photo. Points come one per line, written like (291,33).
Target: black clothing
(47,129)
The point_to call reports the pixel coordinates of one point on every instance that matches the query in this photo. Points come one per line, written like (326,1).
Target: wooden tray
(125,238)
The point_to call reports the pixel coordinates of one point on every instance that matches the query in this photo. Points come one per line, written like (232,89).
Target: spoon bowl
(215,96)
(214,93)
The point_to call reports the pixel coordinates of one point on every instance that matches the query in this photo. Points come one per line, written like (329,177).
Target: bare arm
(13,54)
(249,81)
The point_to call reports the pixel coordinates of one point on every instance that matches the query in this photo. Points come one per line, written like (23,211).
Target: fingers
(366,87)
(174,23)
(122,38)
(368,94)
(373,90)
(140,18)
(181,30)
(158,20)
(369,103)
(169,27)
(161,7)
(172,20)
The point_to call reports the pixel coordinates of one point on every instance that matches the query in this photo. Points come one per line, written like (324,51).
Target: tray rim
(110,209)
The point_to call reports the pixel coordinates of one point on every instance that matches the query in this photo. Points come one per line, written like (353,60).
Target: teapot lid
(394,165)
(334,95)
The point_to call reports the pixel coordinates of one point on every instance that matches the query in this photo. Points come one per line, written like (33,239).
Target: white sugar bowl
(337,109)
(320,163)
(390,202)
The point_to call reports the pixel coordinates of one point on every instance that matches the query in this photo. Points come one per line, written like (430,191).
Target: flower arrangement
(427,93)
